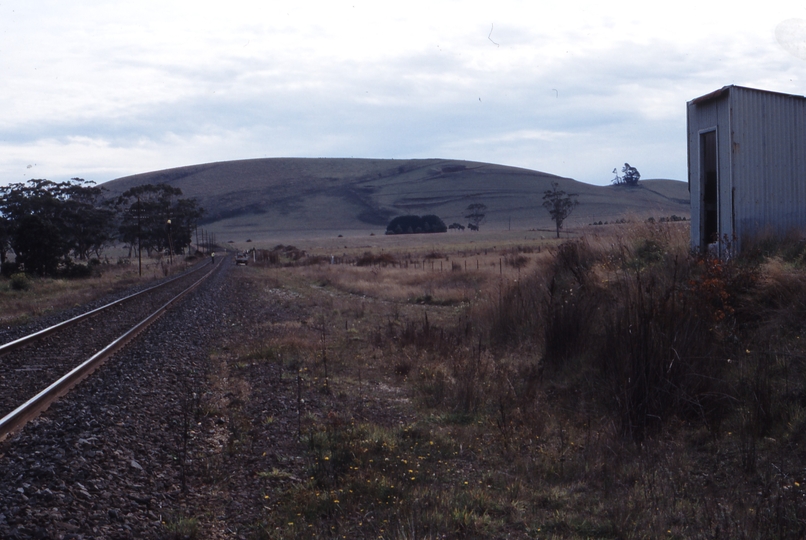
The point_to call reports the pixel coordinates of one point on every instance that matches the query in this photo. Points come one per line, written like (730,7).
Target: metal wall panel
(769,169)
(761,142)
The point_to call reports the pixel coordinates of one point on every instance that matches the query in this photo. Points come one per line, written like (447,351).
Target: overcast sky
(101,89)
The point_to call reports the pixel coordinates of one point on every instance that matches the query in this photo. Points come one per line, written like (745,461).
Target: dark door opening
(709,186)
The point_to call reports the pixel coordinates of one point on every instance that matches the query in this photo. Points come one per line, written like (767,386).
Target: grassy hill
(304,197)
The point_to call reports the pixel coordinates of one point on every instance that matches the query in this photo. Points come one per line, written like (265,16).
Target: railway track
(38,368)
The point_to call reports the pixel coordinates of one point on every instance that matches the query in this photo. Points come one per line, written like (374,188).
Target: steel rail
(40,402)
(25,340)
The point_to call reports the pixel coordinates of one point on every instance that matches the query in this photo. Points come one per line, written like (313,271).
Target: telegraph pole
(170,244)
(139,242)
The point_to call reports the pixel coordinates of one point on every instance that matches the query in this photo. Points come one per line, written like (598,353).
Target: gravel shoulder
(181,435)
(113,458)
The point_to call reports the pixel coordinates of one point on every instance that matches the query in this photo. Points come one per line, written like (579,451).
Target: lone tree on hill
(559,204)
(476,213)
(631,175)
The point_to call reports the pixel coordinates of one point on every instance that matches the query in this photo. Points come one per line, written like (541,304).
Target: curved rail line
(40,402)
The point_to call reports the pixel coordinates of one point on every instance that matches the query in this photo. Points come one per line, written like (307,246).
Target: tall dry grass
(618,387)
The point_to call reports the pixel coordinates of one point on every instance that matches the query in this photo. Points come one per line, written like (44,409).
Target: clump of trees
(664,219)
(630,175)
(416,224)
(559,204)
(155,218)
(47,224)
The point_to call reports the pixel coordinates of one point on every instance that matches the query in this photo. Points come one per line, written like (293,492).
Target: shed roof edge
(726,89)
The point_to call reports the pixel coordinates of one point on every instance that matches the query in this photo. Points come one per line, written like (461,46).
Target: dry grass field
(609,387)
(505,385)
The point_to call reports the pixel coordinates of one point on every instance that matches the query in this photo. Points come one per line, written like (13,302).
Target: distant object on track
(242,258)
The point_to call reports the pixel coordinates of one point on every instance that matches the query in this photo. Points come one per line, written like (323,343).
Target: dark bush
(660,353)
(370,259)
(648,252)
(76,271)
(571,303)
(416,224)
(654,334)
(555,306)
(20,282)
(434,255)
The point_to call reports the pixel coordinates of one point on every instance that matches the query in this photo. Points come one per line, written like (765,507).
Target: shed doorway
(709,182)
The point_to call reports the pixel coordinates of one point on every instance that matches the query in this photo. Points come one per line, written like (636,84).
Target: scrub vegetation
(613,386)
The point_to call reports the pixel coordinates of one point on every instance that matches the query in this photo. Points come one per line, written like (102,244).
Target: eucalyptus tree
(44,222)
(154,217)
(476,214)
(559,204)
(630,177)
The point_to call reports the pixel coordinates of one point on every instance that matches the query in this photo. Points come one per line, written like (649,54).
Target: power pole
(139,243)
(170,244)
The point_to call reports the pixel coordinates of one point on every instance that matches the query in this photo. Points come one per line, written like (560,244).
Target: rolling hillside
(303,197)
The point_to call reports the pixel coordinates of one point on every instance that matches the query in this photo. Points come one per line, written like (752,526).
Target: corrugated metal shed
(747,166)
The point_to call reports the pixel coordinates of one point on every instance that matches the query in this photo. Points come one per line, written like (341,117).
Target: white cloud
(572,88)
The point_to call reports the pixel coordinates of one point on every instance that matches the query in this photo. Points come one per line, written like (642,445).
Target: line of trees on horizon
(557,202)
(47,226)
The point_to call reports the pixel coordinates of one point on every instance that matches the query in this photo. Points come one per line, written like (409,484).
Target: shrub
(518,314)
(20,282)
(660,354)
(650,327)
(547,306)
(648,252)
(183,528)
(571,303)
(370,259)
(76,271)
